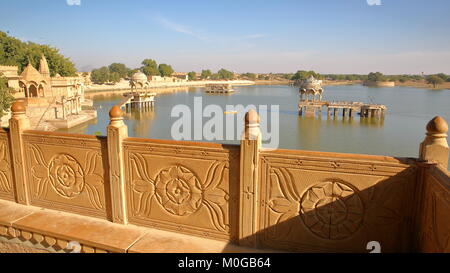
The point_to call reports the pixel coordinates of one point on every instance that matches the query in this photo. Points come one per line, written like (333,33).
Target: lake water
(399,134)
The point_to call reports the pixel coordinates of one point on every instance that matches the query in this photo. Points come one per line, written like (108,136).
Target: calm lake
(399,134)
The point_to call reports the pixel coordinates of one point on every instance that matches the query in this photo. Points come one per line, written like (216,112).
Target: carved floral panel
(67,173)
(183,188)
(6,184)
(323,205)
(434,234)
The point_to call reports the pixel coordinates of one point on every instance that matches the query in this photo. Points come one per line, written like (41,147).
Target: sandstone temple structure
(78,193)
(48,98)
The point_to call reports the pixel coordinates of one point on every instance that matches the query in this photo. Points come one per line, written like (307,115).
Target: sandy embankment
(158,87)
(424,85)
(288,82)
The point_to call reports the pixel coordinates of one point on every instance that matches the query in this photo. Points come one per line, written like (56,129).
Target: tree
(6,99)
(114,77)
(206,74)
(376,77)
(100,76)
(118,68)
(250,76)
(15,52)
(434,80)
(302,75)
(443,76)
(165,70)
(150,67)
(192,76)
(132,71)
(224,74)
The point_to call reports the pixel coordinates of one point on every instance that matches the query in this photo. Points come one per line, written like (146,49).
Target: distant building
(160,79)
(10,72)
(176,77)
(180,75)
(32,83)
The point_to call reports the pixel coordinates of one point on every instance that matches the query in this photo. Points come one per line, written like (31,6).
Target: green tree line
(15,52)
(6,99)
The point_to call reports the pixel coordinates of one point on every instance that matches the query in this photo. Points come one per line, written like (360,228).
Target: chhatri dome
(138,81)
(311,88)
(31,74)
(139,77)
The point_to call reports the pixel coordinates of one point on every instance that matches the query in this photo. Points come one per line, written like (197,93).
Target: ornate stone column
(435,147)
(17,124)
(248,192)
(117,131)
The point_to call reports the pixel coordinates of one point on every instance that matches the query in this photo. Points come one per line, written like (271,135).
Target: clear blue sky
(329,36)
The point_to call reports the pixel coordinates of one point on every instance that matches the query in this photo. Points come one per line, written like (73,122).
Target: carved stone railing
(434,212)
(6,171)
(282,199)
(323,202)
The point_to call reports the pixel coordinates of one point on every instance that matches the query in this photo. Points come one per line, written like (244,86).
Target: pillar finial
(252,130)
(18,108)
(435,146)
(251,118)
(116,116)
(115,112)
(437,127)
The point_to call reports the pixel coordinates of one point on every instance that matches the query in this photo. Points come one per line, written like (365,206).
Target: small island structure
(139,98)
(311,94)
(219,88)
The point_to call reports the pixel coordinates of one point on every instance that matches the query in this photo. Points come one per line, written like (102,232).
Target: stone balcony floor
(32,229)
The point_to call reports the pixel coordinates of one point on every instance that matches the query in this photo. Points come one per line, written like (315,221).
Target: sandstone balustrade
(116,193)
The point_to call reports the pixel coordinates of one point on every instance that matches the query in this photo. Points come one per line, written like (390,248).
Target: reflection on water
(144,119)
(398,134)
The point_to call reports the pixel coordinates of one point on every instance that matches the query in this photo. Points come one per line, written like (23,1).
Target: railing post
(435,147)
(117,131)
(248,192)
(17,124)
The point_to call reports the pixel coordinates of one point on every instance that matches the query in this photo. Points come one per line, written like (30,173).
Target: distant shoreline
(164,87)
(124,85)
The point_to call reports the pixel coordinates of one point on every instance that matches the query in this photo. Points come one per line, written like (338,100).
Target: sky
(260,36)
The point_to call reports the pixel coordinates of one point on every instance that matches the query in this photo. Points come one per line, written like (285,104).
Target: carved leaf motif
(280,205)
(94,187)
(217,199)
(440,214)
(39,171)
(4,166)
(217,196)
(384,204)
(283,178)
(215,175)
(143,186)
(5,183)
(140,166)
(217,214)
(37,155)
